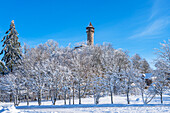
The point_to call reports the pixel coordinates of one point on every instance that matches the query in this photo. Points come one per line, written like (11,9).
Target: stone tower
(90,34)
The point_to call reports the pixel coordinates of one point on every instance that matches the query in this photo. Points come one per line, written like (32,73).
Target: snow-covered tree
(110,72)
(53,68)
(139,67)
(81,69)
(3,68)
(147,93)
(136,60)
(109,67)
(164,53)
(25,72)
(99,86)
(141,64)
(161,82)
(13,86)
(12,49)
(50,72)
(145,67)
(38,64)
(162,72)
(121,63)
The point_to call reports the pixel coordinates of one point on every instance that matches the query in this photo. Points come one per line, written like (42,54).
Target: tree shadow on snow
(89,105)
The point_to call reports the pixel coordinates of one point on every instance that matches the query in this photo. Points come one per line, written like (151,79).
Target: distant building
(90,34)
(148,78)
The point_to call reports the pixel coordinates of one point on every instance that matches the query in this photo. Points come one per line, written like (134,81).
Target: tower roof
(90,25)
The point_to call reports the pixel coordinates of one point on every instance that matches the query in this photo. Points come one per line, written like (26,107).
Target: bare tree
(162,73)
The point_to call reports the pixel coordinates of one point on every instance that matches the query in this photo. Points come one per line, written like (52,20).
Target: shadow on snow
(89,105)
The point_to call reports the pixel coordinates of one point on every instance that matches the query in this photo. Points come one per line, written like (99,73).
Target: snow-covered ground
(87,106)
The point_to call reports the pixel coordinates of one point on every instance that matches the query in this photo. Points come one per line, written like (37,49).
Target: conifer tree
(145,67)
(11,47)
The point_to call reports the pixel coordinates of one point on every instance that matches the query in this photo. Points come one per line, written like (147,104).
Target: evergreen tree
(136,61)
(11,47)
(145,68)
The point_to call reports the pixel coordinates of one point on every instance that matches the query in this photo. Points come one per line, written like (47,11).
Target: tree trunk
(94,98)
(39,97)
(53,98)
(27,98)
(128,97)
(10,96)
(65,97)
(16,98)
(161,97)
(143,98)
(114,88)
(79,94)
(54,101)
(16,103)
(4,98)
(128,101)
(111,93)
(111,97)
(0,96)
(69,100)
(73,93)
(97,99)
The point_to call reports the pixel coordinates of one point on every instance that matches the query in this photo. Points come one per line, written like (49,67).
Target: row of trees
(48,71)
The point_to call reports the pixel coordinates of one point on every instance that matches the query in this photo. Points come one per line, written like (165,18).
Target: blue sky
(135,25)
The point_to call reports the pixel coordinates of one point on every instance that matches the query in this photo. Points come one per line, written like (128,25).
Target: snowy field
(87,106)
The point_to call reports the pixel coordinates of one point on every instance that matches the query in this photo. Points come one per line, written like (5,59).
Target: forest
(50,72)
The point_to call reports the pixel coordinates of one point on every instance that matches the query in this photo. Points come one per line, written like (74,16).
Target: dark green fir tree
(11,48)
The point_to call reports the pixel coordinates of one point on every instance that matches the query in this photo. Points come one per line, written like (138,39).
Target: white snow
(88,105)
(8,108)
